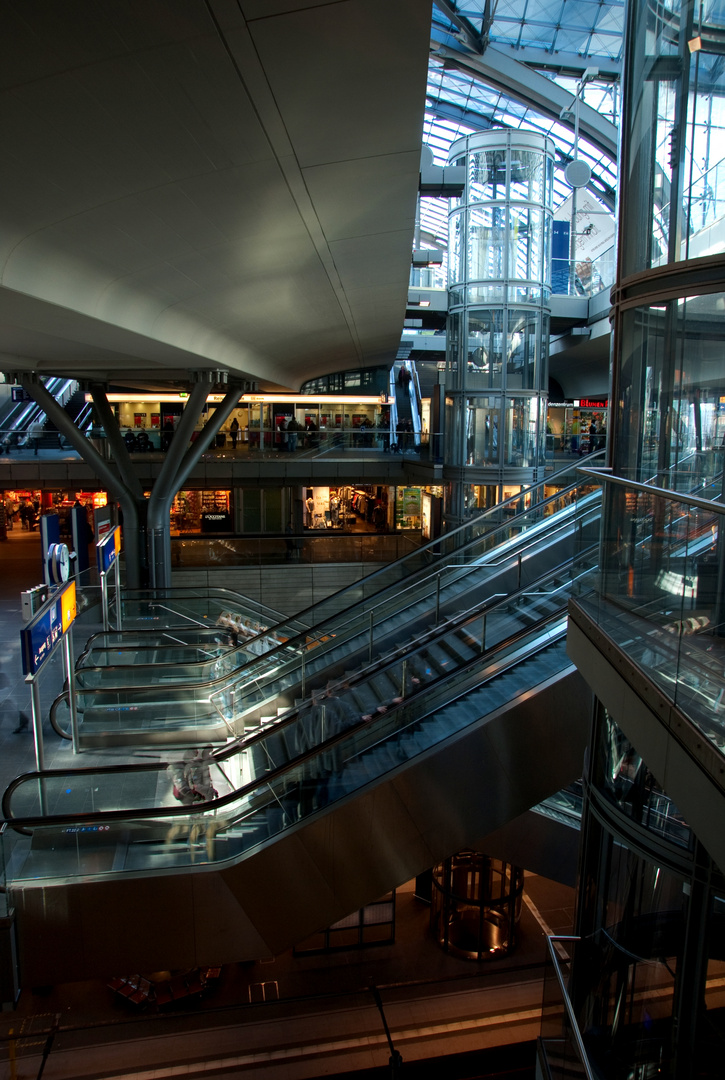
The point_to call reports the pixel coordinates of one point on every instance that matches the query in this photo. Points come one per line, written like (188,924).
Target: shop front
(576,426)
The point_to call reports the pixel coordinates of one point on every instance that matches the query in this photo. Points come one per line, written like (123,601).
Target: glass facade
(671,402)
(498,325)
(673,124)
(649,963)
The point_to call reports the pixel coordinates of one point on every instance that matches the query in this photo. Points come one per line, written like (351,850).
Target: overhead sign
(42,634)
(108,550)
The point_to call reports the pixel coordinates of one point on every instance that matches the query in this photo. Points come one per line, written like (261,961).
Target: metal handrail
(496,667)
(551,939)
(650,489)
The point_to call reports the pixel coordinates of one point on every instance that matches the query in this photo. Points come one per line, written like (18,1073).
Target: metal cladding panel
(443,800)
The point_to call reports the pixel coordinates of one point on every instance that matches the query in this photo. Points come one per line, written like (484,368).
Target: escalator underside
(203,895)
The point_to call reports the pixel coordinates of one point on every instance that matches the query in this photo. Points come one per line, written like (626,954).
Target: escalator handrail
(513,642)
(153,812)
(211,592)
(91,644)
(424,640)
(650,489)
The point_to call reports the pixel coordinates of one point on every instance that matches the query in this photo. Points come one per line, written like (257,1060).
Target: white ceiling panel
(220,187)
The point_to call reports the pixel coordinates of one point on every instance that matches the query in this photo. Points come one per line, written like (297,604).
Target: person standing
(292,428)
(167,433)
(234,432)
(35,433)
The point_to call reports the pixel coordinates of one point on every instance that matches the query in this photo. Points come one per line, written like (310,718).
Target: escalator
(471,577)
(408,426)
(17,417)
(318,812)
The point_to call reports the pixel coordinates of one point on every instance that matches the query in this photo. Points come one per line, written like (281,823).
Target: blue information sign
(41,635)
(107,550)
(38,639)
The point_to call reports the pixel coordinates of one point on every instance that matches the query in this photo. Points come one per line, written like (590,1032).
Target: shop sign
(216,521)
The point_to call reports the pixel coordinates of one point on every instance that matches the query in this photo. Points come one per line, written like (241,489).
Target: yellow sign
(68,606)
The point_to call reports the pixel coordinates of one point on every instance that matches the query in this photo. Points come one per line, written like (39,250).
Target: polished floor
(294,1016)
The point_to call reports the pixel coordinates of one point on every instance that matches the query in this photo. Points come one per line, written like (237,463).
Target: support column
(133,504)
(147,534)
(175,472)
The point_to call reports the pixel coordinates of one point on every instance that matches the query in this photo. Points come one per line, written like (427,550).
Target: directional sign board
(108,549)
(42,634)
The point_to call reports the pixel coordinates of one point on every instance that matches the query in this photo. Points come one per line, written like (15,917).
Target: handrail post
(370,645)
(302,680)
(568,1008)
(438,596)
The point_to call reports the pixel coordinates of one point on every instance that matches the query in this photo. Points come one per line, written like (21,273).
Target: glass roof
(559,40)
(563,29)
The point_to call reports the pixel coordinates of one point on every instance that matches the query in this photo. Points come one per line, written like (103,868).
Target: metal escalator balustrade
(154,834)
(458,645)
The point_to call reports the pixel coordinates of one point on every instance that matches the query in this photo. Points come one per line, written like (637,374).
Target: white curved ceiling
(208,184)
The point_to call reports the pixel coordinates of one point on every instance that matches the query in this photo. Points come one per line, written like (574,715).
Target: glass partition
(658,593)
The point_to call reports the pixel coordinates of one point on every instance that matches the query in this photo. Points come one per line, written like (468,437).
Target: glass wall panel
(549,188)
(523,347)
(485,344)
(487,175)
(520,430)
(453,434)
(456,270)
(453,344)
(526,294)
(486,294)
(525,247)
(546,257)
(482,424)
(527,176)
(478,497)
(623,778)
(486,242)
